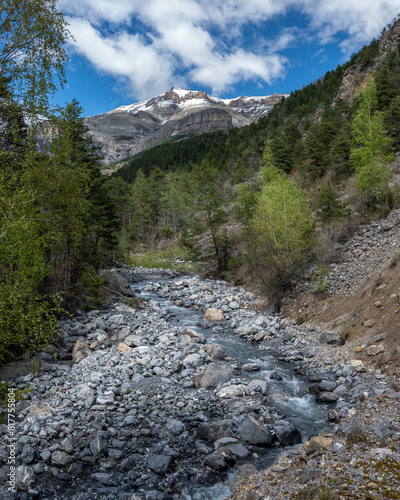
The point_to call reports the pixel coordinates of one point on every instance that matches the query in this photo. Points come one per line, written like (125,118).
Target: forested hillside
(246,200)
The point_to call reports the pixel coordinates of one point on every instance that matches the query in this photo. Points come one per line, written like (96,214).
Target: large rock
(215,351)
(61,459)
(214,375)
(159,463)
(98,446)
(193,360)
(216,461)
(80,351)
(236,449)
(195,336)
(87,395)
(327,397)
(331,338)
(214,315)
(317,445)
(286,433)
(24,477)
(116,283)
(257,386)
(373,350)
(358,365)
(253,432)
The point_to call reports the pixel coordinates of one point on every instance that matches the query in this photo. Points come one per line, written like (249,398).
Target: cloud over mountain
(153,44)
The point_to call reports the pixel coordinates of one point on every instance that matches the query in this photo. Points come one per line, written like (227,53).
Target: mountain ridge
(132,128)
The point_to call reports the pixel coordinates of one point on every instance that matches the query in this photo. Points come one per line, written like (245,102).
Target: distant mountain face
(130,129)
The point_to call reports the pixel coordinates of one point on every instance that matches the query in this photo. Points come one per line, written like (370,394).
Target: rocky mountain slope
(130,129)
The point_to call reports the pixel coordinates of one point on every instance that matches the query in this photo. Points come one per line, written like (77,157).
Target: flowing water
(299,408)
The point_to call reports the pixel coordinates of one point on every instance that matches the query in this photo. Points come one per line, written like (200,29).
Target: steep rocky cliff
(130,129)
(356,76)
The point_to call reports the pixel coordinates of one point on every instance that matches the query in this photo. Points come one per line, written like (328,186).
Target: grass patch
(174,257)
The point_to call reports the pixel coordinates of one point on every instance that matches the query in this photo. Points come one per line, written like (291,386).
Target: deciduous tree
(33,34)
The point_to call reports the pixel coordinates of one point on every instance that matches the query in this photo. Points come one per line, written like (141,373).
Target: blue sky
(129,50)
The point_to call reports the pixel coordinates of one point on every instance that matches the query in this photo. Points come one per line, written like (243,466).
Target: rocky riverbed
(141,407)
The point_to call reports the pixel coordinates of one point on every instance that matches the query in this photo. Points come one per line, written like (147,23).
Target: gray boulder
(216,461)
(286,433)
(98,446)
(327,397)
(116,283)
(253,432)
(80,351)
(159,463)
(214,375)
(61,459)
(24,477)
(331,338)
(215,351)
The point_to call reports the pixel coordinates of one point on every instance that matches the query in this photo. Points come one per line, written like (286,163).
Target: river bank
(150,406)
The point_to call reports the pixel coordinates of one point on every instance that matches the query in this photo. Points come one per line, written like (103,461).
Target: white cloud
(201,40)
(124,56)
(362,21)
(98,11)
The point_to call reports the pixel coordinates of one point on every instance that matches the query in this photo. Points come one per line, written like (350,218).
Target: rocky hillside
(356,76)
(130,129)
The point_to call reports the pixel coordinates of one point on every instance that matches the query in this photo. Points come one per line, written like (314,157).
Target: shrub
(319,279)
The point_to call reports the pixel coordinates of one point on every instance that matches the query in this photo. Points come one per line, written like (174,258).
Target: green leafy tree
(33,34)
(280,236)
(372,151)
(27,316)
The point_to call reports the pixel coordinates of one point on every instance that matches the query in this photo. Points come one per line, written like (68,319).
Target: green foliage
(92,283)
(33,34)
(330,207)
(174,257)
(392,121)
(367,54)
(280,237)
(318,143)
(210,214)
(173,156)
(319,279)
(372,150)
(167,232)
(27,319)
(246,197)
(55,218)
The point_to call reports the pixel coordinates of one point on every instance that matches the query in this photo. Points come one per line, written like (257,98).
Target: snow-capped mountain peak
(129,129)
